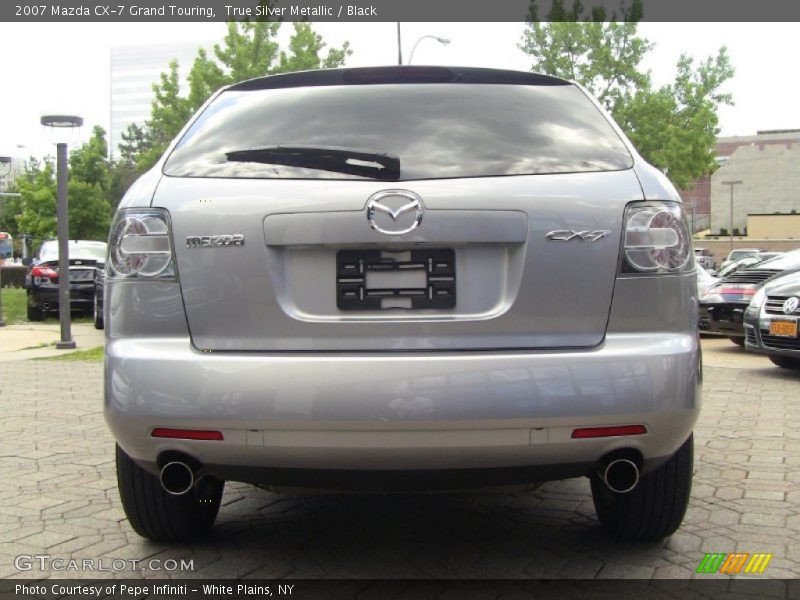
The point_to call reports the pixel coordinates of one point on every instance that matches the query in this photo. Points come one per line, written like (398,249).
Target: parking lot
(59,498)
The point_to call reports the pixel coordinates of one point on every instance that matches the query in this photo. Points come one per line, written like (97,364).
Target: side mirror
(27,262)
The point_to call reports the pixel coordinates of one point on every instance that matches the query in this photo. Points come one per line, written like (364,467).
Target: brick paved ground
(59,497)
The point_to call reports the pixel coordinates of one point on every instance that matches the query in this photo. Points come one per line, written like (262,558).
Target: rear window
(737,254)
(77,250)
(399,132)
(790,260)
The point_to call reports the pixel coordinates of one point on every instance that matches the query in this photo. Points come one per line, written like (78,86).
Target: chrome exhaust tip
(620,475)
(177,478)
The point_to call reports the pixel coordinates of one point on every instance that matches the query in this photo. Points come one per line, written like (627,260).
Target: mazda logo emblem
(395,204)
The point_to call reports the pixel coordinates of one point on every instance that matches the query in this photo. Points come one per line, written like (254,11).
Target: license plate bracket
(783,328)
(438,265)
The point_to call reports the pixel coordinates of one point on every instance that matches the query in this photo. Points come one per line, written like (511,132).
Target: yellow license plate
(783,328)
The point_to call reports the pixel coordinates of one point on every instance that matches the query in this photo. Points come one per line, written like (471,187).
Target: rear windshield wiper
(374,165)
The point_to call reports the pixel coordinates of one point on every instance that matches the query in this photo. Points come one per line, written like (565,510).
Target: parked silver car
(738,254)
(770,321)
(705,258)
(401,278)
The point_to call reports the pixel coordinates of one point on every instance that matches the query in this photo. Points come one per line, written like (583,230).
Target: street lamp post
(66,124)
(731,184)
(442,40)
(5,169)
(691,206)
(399,46)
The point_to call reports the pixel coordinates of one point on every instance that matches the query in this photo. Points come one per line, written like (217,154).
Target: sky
(64,67)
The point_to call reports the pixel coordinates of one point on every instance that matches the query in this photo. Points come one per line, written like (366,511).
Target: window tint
(434,130)
(790,260)
(737,254)
(78,250)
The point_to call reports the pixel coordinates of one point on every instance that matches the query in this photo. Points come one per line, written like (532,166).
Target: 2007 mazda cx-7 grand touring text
(401,278)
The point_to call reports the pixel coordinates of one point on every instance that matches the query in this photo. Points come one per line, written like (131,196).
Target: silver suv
(401,278)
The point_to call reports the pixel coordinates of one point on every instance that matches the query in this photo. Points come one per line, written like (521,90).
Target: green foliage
(135,141)
(10,207)
(89,162)
(601,56)
(94,355)
(34,212)
(674,127)
(121,176)
(250,49)
(89,211)
(304,52)
(96,184)
(14,303)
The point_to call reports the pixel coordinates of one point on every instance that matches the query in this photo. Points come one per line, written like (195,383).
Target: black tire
(35,313)
(739,341)
(785,362)
(98,316)
(159,516)
(654,509)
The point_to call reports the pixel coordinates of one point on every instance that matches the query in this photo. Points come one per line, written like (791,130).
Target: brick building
(768,167)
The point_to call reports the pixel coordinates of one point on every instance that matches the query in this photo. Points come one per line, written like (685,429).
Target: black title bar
(380,10)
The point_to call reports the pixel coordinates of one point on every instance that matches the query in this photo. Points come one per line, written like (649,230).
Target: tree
(601,56)
(88,188)
(37,187)
(135,141)
(250,49)
(89,162)
(675,126)
(89,210)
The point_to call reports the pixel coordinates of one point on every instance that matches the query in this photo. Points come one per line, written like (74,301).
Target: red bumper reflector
(595,432)
(186,434)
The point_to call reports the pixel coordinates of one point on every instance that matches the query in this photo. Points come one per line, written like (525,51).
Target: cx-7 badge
(567,235)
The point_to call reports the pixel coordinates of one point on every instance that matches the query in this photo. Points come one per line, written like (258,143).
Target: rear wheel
(34,313)
(786,362)
(655,508)
(739,341)
(159,516)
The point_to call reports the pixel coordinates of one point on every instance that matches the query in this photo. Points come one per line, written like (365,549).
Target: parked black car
(771,321)
(42,278)
(99,285)
(722,305)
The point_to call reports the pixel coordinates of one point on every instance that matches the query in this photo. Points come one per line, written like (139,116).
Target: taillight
(656,239)
(738,291)
(139,245)
(45,272)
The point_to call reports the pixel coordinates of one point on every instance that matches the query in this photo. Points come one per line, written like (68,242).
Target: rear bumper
(80,296)
(724,318)
(758,340)
(402,411)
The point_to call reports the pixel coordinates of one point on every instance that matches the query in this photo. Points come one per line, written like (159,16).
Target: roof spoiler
(396,74)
